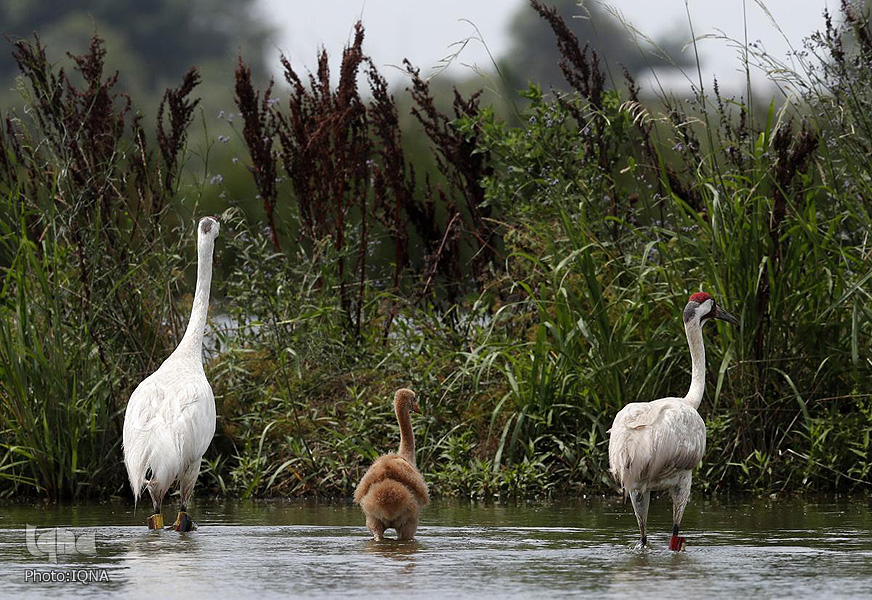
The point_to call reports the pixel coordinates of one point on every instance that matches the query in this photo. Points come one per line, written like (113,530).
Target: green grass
(610,210)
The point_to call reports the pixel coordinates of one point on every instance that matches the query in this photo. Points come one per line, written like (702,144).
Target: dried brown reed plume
(354,186)
(108,189)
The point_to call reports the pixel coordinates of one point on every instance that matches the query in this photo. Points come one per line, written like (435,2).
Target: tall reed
(89,260)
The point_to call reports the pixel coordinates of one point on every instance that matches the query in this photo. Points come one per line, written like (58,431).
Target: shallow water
(818,548)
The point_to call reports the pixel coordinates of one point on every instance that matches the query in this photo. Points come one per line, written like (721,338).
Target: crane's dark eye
(207,225)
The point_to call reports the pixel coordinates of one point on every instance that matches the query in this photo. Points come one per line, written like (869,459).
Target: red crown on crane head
(700,297)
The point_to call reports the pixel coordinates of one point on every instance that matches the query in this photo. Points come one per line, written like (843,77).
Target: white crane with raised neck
(656,445)
(170,417)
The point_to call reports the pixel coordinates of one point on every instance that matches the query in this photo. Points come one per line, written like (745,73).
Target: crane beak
(720,313)
(416,407)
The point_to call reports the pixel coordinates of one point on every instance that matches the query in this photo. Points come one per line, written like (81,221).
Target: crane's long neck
(192,342)
(407,437)
(693,328)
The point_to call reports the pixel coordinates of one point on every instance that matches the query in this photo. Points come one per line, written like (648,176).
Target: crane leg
(640,501)
(184,522)
(680,495)
(376,527)
(155,521)
(407,530)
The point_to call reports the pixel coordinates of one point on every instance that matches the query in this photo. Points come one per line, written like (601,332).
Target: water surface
(798,548)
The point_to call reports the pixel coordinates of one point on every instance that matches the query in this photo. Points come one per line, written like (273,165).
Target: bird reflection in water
(397,550)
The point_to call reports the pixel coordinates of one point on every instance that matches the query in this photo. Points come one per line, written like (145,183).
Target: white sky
(424,31)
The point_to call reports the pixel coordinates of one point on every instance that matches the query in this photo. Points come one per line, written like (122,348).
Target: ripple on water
(476,551)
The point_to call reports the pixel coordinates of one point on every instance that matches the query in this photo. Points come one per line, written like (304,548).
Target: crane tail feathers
(626,466)
(153,461)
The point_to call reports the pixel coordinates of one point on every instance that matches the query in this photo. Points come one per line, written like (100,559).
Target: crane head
(405,398)
(208,227)
(703,307)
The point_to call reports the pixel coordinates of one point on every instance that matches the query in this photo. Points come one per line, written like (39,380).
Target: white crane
(656,445)
(170,418)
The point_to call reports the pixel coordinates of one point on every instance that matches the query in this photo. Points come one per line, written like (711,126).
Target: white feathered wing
(168,426)
(651,442)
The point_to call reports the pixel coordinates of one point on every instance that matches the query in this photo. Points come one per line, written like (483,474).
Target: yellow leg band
(155,521)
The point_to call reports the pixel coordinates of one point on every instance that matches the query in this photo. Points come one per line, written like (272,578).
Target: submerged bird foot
(155,521)
(643,544)
(184,522)
(677,543)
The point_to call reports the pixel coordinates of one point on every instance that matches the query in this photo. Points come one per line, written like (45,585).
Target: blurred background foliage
(534,55)
(151,43)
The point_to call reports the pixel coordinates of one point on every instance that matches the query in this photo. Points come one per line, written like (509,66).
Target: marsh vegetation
(525,277)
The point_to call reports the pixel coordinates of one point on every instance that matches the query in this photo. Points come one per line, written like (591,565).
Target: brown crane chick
(392,492)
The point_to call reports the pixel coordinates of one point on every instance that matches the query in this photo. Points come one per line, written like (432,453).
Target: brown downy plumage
(392,492)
